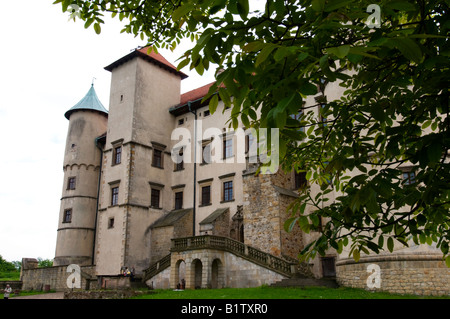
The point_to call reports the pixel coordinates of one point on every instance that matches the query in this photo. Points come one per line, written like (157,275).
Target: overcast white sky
(47,64)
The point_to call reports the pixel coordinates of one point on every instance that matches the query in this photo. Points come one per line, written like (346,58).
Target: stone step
(306,282)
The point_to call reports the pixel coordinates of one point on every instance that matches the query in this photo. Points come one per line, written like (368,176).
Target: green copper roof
(89,102)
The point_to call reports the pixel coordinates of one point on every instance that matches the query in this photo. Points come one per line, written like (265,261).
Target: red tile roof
(195,94)
(153,57)
(158,57)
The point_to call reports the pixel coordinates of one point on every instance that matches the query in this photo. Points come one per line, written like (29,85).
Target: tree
(6,266)
(394,110)
(42,263)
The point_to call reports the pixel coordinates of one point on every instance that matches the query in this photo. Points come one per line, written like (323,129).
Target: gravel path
(53,295)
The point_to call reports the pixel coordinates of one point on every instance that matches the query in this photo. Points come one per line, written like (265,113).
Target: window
(155,195)
(409,177)
(249,140)
(227,148)
(300,180)
(71,183)
(180,121)
(206,113)
(117,156)
(206,153)
(206,195)
(178,200)
(180,161)
(114,196)
(67,218)
(111,222)
(228,191)
(157,158)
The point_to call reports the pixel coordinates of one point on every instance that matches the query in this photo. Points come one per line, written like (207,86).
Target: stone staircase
(298,275)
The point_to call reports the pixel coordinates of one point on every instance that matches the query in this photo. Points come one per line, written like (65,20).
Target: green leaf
(447,261)
(381,241)
(318,5)
(356,255)
(336,4)
(408,48)
(243,8)
(302,56)
(213,103)
(290,102)
(434,151)
(308,88)
(182,11)
(377,112)
(341,51)
(253,46)
(183,63)
(97,28)
(265,52)
(390,244)
(289,224)
(362,52)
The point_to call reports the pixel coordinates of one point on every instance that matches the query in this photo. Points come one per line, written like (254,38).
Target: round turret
(82,160)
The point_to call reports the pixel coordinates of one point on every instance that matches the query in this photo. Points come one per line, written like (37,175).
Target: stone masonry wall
(56,278)
(222,225)
(183,227)
(161,241)
(234,271)
(265,211)
(419,275)
(291,243)
(261,214)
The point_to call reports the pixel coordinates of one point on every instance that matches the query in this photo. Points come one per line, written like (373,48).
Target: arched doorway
(198,273)
(216,274)
(180,274)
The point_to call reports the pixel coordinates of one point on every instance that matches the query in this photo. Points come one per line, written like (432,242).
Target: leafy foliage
(394,112)
(6,266)
(42,263)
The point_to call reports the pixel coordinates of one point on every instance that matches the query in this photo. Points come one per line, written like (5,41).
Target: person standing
(7,291)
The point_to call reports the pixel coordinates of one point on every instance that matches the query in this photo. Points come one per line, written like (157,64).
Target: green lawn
(9,275)
(275,293)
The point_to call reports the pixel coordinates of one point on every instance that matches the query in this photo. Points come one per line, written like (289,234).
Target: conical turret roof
(89,102)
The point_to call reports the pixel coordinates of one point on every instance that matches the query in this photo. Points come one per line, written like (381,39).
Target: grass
(9,275)
(265,292)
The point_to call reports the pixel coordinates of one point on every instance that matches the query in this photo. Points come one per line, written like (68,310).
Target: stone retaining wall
(55,278)
(403,274)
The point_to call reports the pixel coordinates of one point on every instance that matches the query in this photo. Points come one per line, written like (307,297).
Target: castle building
(124,197)
(141,174)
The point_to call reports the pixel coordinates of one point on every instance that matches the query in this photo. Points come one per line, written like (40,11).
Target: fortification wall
(419,274)
(55,278)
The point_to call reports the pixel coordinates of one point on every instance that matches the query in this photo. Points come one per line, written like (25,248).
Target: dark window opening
(206,195)
(67,218)
(228,191)
(157,158)
(71,183)
(117,155)
(300,180)
(115,196)
(178,200)
(155,195)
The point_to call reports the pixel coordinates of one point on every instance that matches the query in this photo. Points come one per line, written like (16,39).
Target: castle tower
(77,217)
(136,159)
